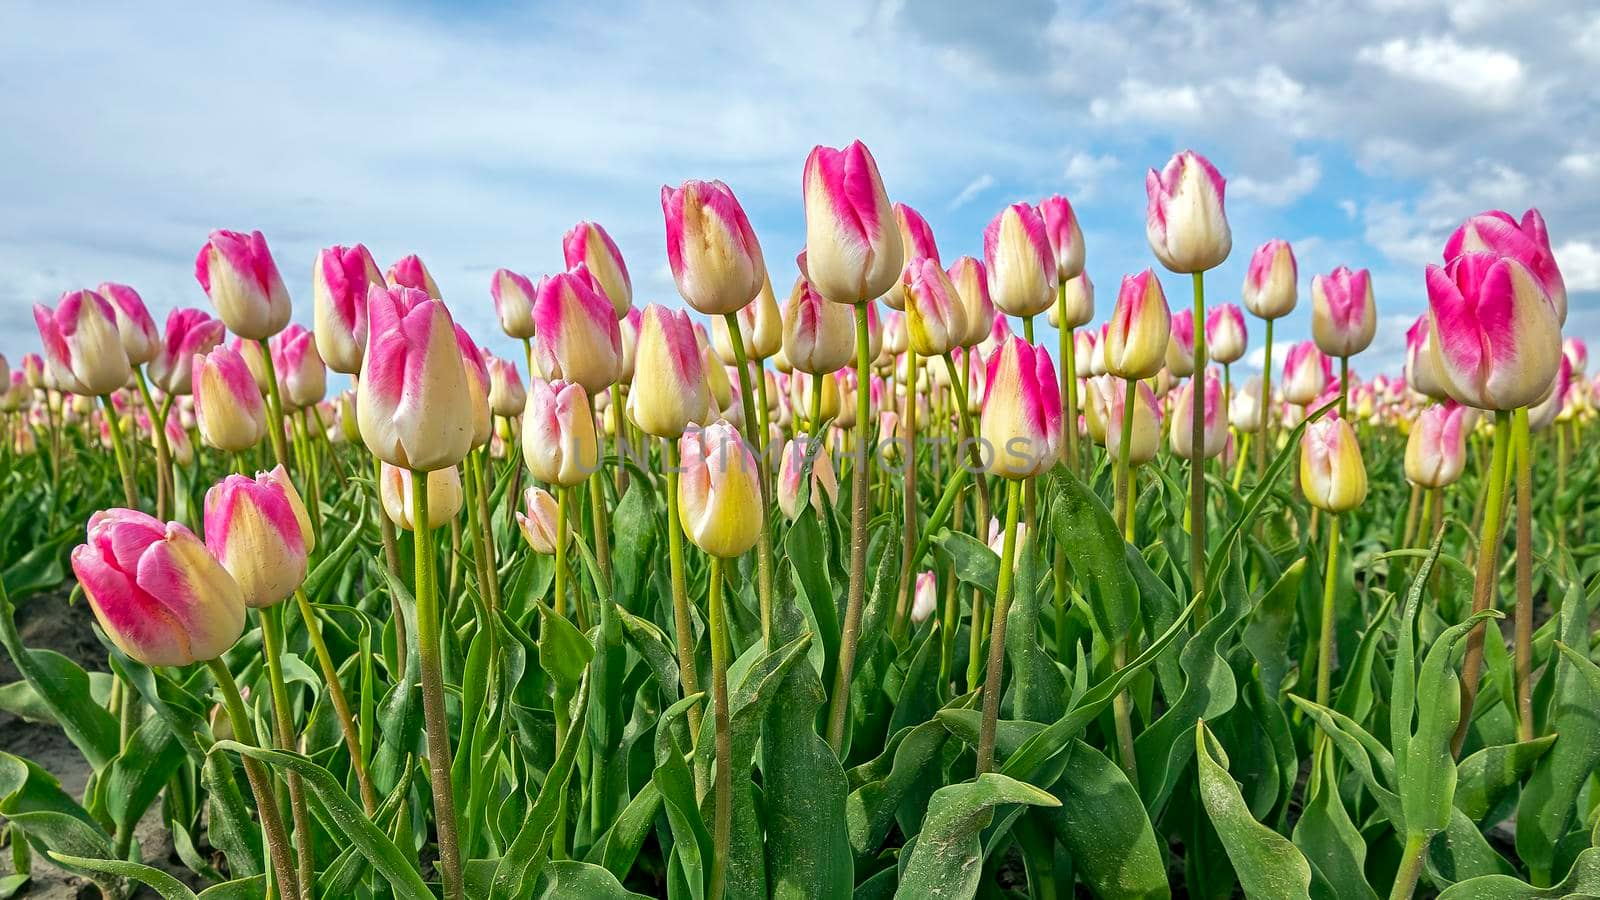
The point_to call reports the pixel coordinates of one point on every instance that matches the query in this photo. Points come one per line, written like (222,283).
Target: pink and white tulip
(507,396)
(559,442)
(916,235)
(1271,281)
(711,248)
(1436,448)
(413,403)
(134,325)
(1226,334)
(538,520)
(1496,334)
(818,335)
(339,281)
(410,272)
(1021,421)
(227,401)
(578,337)
(935,319)
(189,332)
(1344,317)
(971,281)
(853,248)
(719,492)
(259,530)
(1527,241)
(1184,218)
(302,377)
(1077,300)
(82,344)
(397,491)
(669,389)
(1065,236)
(1180,344)
(1135,342)
(1021,265)
(1332,474)
(1215,418)
(513,303)
(237,272)
(588,244)
(1307,373)
(824,483)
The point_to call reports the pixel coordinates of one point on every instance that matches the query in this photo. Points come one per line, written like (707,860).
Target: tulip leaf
(564,652)
(1094,545)
(1484,777)
(525,857)
(1329,838)
(1103,826)
(1583,880)
(168,887)
(947,859)
(1267,863)
(881,784)
(64,688)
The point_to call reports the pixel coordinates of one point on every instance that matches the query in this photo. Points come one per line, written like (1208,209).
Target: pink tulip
(1180,344)
(719,492)
(259,530)
(578,337)
(82,344)
(37,372)
(1076,299)
(1436,448)
(507,396)
(537,519)
(1215,418)
(1022,267)
(189,332)
(134,325)
(513,303)
(397,491)
(157,593)
(853,247)
(935,319)
(1134,344)
(1496,335)
(1021,420)
(818,335)
(302,377)
(925,599)
(413,405)
(1270,283)
(916,235)
(1332,474)
(715,257)
(237,272)
(1421,370)
(824,483)
(1066,238)
(1344,318)
(1084,355)
(477,369)
(559,442)
(669,391)
(587,244)
(1184,219)
(1226,335)
(409,272)
(1307,373)
(1527,241)
(1575,350)
(1544,413)
(227,401)
(971,282)
(339,281)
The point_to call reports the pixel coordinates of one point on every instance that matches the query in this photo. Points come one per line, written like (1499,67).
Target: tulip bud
(925,599)
(803,384)
(409,272)
(997,535)
(1527,242)
(1343,315)
(538,520)
(1021,421)
(1332,474)
(134,325)
(558,433)
(507,396)
(1135,343)
(1496,336)
(719,492)
(237,272)
(935,319)
(760,328)
(578,337)
(971,281)
(513,303)
(669,389)
(413,401)
(477,369)
(892,339)
(818,336)
(259,530)
(178,443)
(587,244)
(1106,405)
(1085,355)
(1184,220)
(853,248)
(1244,408)
(1306,374)
(37,372)
(1270,283)
(1180,344)
(1021,266)
(158,595)
(1436,448)
(1422,375)
(227,403)
(82,344)
(715,257)
(916,235)
(1215,418)
(339,281)
(1077,296)
(1577,352)
(396,488)
(1066,241)
(189,332)
(1543,413)
(824,483)
(1226,336)
(302,378)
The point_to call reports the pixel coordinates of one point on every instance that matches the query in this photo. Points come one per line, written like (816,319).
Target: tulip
(1576,351)
(302,378)
(587,244)
(82,344)
(997,534)
(760,328)
(1436,448)
(37,372)
(1215,434)
(339,282)
(541,521)
(190,332)
(1244,407)
(178,443)
(409,272)
(1422,374)
(1543,413)
(513,303)
(158,595)
(628,331)
(1496,335)
(927,598)
(396,488)
(559,442)
(718,387)
(1226,335)
(1076,301)
(854,252)
(477,369)
(578,337)
(669,388)
(818,336)
(1527,241)
(1134,345)
(1343,316)
(507,396)
(892,338)
(1066,239)
(1332,474)
(254,360)
(259,530)
(1306,374)
(1021,266)
(227,403)
(935,319)
(711,248)
(1021,421)
(412,401)
(1184,219)
(824,484)
(804,390)
(719,492)
(1107,396)
(1084,355)
(971,281)
(1270,281)
(134,325)
(237,272)
(1180,344)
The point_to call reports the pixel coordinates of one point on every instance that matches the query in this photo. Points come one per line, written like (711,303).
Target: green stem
(341,703)
(130,489)
(1524,612)
(283,728)
(435,721)
(722,819)
(1197,474)
(839,703)
(1330,583)
(1265,410)
(997,634)
(1405,880)
(902,618)
(274,408)
(158,431)
(756,436)
(260,783)
(1483,588)
(682,627)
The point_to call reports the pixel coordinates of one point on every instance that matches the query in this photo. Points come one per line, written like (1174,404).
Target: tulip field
(853,591)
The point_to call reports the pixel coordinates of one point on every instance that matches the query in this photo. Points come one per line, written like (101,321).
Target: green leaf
(947,859)
(168,887)
(525,857)
(564,652)
(882,783)
(1268,865)
(65,690)
(1582,881)
(565,879)
(139,773)
(1484,777)
(1329,839)
(1094,545)
(1103,825)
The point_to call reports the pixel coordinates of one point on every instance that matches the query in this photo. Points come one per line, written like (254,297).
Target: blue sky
(1362,132)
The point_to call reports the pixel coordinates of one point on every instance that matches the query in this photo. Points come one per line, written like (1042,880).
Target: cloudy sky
(475,136)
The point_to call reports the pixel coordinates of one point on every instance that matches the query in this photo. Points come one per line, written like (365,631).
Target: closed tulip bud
(760,328)
(587,244)
(1576,351)
(916,235)
(1180,344)
(513,303)
(935,320)
(413,399)
(578,336)
(718,386)
(227,402)
(189,332)
(1422,373)
(628,330)
(137,330)
(1332,474)
(82,344)
(1215,417)
(254,360)
(711,248)
(349,422)
(853,247)
(1270,283)
(1244,409)
(999,333)
(1543,414)
(507,396)
(302,377)
(1145,438)
(669,388)
(818,336)
(925,599)
(540,521)
(178,443)
(477,369)
(1077,294)
(559,442)
(1306,374)
(339,281)
(398,491)
(409,272)
(1135,342)
(1184,219)
(1086,353)
(1343,315)
(1021,421)
(237,272)
(803,384)
(1436,448)
(971,281)
(1526,241)
(997,535)
(1226,336)
(37,372)
(892,339)
(1496,335)
(259,530)
(719,492)
(824,483)
(158,595)
(1066,238)
(1021,266)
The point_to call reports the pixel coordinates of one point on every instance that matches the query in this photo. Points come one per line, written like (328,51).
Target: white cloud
(1348,207)
(1580,264)
(972,190)
(1139,99)
(1283,190)
(1483,73)
(1581,164)
(1084,172)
